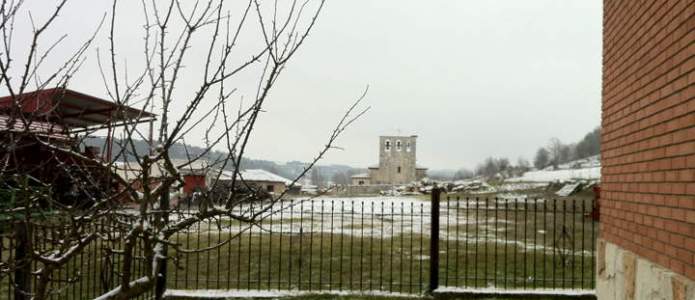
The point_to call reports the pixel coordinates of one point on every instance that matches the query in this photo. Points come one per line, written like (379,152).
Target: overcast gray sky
(471,78)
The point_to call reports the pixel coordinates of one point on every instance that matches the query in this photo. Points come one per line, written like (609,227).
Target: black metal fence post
(434,242)
(23,272)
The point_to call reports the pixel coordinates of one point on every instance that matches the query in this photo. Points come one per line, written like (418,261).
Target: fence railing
(385,244)
(513,243)
(93,272)
(362,244)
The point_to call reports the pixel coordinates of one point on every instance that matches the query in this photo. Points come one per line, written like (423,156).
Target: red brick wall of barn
(648,137)
(191,182)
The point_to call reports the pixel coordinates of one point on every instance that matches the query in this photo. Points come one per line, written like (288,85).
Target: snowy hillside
(589,162)
(583,169)
(559,175)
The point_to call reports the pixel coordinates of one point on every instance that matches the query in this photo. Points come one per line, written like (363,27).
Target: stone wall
(623,275)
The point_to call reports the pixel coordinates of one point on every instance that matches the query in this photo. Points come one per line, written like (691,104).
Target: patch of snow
(559,175)
(112,293)
(521,186)
(384,217)
(217,294)
(505,291)
(589,162)
(473,187)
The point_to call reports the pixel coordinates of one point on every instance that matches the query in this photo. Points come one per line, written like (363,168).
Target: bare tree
(523,164)
(89,209)
(316,177)
(542,158)
(555,148)
(463,173)
(589,145)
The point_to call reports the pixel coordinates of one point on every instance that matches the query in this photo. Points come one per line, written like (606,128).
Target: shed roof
(72,109)
(264,176)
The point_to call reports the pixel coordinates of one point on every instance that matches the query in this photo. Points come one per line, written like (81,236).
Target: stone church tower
(397,162)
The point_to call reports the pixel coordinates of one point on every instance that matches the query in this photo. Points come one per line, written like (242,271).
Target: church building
(397,163)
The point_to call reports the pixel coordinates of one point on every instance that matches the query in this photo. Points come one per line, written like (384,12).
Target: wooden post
(434,241)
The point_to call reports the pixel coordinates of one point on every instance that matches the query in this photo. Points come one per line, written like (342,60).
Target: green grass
(306,262)
(399,264)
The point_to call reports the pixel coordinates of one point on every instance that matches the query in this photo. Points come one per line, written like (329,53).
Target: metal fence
(93,272)
(517,243)
(390,244)
(339,244)
(386,244)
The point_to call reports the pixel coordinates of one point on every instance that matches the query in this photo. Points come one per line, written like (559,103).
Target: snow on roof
(263,175)
(363,175)
(130,170)
(258,175)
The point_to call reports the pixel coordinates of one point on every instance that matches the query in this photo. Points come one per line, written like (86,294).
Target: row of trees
(554,154)
(557,153)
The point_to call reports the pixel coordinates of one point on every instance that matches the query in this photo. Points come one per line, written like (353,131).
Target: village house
(262,180)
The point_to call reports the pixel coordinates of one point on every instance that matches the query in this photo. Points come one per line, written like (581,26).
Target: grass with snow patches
(309,263)
(398,264)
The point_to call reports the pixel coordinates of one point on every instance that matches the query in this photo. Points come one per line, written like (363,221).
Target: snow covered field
(386,217)
(593,173)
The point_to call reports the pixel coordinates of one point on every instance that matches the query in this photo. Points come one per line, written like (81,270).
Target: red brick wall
(191,182)
(648,138)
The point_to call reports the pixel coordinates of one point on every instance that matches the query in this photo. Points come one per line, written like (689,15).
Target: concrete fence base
(625,275)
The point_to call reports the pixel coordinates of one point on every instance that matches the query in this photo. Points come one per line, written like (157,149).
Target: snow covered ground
(515,292)
(593,173)
(221,294)
(583,169)
(387,217)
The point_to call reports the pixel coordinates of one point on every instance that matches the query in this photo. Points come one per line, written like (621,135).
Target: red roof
(71,109)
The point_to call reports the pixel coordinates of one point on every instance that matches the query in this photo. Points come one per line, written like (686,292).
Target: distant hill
(289,170)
